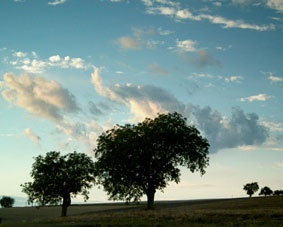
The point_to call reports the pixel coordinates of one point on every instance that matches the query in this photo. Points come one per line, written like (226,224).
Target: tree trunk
(66,203)
(150,199)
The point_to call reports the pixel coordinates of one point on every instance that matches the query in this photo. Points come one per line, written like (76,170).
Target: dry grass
(233,212)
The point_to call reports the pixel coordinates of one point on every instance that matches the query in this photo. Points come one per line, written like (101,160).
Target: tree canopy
(265,191)
(251,188)
(58,177)
(7,201)
(133,160)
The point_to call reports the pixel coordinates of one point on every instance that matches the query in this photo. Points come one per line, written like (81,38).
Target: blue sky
(71,69)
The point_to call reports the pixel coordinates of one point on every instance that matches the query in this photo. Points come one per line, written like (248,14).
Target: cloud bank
(38,96)
(146,101)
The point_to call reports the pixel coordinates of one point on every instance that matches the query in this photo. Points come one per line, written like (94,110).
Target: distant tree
(134,160)
(265,191)
(278,192)
(7,202)
(58,177)
(251,188)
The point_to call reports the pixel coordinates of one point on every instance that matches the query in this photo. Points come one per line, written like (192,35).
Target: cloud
(29,133)
(273,126)
(155,69)
(54,58)
(194,76)
(275,4)
(241,130)
(129,43)
(56,2)
(236,79)
(259,97)
(93,109)
(85,133)
(178,14)
(235,23)
(203,59)
(38,96)
(221,48)
(143,101)
(77,63)
(19,54)
(275,79)
(186,45)
(32,64)
(146,101)
(164,32)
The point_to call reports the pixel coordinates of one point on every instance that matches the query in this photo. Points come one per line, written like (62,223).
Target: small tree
(251,188)
(134,160)
(7,202)
(58,177)
(278,192)
(265,191)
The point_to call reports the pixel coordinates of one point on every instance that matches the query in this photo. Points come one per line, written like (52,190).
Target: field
(259,211)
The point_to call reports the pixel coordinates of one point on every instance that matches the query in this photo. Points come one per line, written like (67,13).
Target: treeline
(252,188)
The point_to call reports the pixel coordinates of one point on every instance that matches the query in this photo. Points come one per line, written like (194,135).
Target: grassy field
(258,211)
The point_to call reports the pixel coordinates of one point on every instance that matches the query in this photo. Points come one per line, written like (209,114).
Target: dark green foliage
(58,177)
(265,191)
(7,202)
(251,188)
(278,192)
(134,160)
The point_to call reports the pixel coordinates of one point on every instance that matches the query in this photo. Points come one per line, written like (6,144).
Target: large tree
(57,178)
(7,201)
(138,159)
(251,188)
(265,191)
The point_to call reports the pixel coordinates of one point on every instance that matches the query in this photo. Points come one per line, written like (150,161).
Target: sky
(71,69)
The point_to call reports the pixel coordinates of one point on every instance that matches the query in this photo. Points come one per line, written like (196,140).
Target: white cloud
(129,43)
(143,101)
(168,11)
(77,63)
(260,97)
(236,23)
(119,72)
(164,32)
(217,4)
(178,14)
(221,48)
(186,14)
(33,64)
(186,45)
(275,4)
(19,54)
(38,96)
(200,75)
(147,2)
(247,147)
(54,58)
(275,79)
(56,2)
(85,133)
(273,126)
(236,79)
(277,148)
(29,133)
